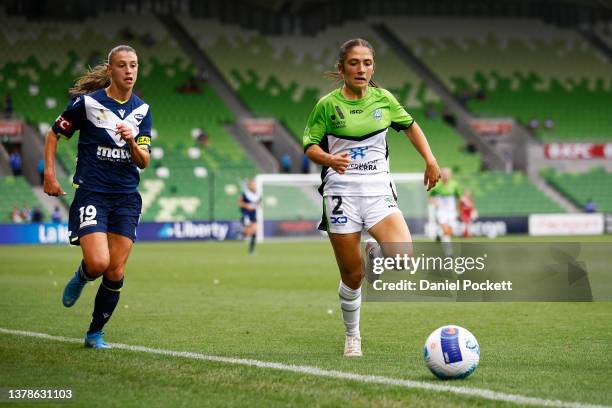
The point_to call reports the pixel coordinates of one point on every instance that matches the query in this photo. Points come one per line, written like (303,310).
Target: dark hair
(96,78)
(344,50)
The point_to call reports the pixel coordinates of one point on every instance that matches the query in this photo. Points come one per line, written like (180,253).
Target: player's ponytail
(97,77)
(344,49)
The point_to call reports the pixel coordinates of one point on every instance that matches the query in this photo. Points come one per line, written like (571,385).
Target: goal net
(292,207)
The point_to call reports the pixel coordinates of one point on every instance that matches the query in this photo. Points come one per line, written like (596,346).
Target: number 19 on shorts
(87,216)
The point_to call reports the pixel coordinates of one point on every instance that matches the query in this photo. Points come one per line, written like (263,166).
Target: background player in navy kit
(248,202)
(115,128)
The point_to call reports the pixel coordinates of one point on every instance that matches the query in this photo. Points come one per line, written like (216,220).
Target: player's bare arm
(51,185)
(419,141)
(339,162)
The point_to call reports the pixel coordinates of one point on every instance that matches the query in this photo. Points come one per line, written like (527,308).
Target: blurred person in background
(467,211)
(444,198)
(248,202)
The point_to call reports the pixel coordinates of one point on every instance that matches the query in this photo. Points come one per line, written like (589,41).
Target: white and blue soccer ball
(451,352)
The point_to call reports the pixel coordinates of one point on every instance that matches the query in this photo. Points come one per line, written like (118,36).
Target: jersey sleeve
(435,191)
(315,127)
(144,131)
(71,119)
(400,119)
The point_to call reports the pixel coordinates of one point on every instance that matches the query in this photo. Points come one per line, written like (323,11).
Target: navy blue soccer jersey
(250,197)
(104,163)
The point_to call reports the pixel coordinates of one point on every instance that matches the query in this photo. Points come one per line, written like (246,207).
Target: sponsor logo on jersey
(358,152)
(121,112)
(377,114)
(101,117)
(367,166)
(113,154)
(337,124)
(356,111)
(339,112)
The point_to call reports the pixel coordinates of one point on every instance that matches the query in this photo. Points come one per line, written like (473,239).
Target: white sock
(350,303)
(447,246)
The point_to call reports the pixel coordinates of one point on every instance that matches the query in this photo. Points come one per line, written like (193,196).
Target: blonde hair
(344,50)
(97,77)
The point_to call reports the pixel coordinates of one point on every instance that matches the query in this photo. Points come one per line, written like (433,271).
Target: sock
(83,272)
(252,243)
(106,301)
(447,245)
(350,303)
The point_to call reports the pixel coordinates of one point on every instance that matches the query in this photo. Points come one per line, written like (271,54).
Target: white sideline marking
(319,372)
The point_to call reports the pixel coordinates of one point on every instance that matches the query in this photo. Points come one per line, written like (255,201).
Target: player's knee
(115,273)
(96,265)
(352,276)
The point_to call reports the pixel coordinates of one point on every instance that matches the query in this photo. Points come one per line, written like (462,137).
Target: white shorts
(345,215)
(446,216)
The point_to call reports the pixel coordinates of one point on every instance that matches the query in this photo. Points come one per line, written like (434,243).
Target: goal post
(292,206)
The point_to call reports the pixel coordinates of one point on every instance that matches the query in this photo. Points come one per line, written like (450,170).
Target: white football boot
(352,346)
(368,261)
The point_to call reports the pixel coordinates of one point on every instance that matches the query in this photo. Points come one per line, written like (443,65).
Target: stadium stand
(580,187)
(497,193)
(283,77)
(525,68)
(45,57)
(15,191)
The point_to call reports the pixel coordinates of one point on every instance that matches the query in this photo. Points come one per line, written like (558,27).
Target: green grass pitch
(278,306)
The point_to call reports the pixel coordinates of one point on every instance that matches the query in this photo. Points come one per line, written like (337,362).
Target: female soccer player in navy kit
(114,141)
(346,134)
(248,202)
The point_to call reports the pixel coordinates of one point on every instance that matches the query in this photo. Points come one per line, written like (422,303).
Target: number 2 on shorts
(337,210)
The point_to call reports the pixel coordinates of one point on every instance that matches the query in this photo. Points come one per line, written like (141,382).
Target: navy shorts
(248,218)
(92,211)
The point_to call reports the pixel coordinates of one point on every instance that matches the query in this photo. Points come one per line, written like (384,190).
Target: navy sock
(252,243)
(106,301)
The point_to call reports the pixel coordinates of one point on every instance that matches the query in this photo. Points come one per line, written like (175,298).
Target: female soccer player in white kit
(346,134)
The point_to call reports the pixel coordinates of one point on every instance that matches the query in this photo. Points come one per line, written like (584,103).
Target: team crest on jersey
(377,114)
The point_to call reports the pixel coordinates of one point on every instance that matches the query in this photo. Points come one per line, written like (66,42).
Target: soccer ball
(451,352)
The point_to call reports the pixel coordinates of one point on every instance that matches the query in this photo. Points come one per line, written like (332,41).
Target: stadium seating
(526,68)
(497,193)
(283,77)
(580,187)
(45,57)
(17,191)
